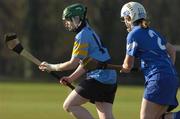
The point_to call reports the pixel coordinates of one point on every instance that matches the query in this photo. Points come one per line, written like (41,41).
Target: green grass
(44,101)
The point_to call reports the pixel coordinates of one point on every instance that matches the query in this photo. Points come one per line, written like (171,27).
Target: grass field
(44,101)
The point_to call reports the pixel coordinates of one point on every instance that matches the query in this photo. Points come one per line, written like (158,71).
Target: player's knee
(109,117)
(66,107)
(147,116)
(106,115)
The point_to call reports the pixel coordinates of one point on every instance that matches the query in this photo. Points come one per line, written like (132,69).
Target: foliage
(40,29)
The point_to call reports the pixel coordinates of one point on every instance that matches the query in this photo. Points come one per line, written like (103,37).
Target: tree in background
(40,29)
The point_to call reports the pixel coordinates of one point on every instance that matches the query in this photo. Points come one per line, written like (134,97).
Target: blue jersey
(149,46)
(87,43)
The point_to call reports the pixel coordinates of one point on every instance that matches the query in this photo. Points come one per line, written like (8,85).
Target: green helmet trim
(74,10)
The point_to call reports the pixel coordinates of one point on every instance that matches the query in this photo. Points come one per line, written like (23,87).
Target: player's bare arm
(69,65)
(127,64)
(75,75)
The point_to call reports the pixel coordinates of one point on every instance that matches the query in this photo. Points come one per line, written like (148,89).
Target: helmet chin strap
(76,21)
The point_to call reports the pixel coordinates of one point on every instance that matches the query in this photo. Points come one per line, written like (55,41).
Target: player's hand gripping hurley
(14,44)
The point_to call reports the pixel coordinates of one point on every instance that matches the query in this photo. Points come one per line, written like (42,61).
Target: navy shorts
(162,89)
(96,91)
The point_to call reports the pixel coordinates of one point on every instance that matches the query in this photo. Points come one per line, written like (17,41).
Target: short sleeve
(131,46)
(80,48)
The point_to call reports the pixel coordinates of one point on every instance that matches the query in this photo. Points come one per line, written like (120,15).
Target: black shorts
(96,91)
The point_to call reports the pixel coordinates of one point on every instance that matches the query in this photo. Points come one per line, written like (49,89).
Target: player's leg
(172,115)
(105,99)
(150,110)
(159,95)
(73,104)
(104,110)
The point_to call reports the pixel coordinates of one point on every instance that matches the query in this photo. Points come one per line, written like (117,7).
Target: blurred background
(40,29)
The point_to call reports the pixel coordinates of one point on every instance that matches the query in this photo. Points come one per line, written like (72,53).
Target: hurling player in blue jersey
(100,85)
(157,58)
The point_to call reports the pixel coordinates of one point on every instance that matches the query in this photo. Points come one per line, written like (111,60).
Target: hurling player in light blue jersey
(157,63)
(100,85)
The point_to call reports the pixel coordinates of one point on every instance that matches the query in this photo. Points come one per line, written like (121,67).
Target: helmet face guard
(134,10)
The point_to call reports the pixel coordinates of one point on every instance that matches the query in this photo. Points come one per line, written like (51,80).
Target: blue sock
(176,115)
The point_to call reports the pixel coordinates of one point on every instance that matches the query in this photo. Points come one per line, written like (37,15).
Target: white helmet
(133,9)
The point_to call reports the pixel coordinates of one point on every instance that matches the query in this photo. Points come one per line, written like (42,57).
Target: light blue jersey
(149,46)
(87,43)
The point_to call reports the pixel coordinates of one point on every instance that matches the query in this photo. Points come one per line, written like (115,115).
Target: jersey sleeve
(163,39)
(80,48)
(131,46)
